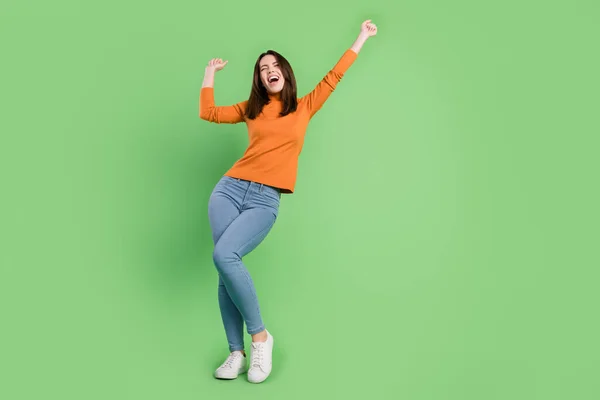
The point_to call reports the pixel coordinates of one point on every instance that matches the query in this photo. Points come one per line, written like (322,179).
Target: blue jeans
(241,214)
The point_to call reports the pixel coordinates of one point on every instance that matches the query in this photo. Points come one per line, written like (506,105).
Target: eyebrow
(265,65)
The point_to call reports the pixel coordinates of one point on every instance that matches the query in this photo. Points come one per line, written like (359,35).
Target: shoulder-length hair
(259,96)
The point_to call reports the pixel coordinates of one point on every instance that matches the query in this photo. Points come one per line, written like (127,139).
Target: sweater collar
(274,97)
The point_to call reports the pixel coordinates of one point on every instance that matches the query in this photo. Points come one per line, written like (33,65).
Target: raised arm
(208,110)
(317,97)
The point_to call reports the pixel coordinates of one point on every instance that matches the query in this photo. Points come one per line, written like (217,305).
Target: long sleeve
(220,114)
(315,99)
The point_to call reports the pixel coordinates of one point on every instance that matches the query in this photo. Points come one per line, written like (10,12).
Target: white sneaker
(233,366)
(261,360)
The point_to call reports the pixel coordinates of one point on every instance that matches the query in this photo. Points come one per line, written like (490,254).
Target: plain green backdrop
(440,243)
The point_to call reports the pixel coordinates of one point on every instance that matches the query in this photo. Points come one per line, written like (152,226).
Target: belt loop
(261,187)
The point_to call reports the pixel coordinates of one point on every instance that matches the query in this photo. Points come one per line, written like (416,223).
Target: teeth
(273,78)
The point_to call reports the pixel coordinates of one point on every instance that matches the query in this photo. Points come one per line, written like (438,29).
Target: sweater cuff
(345,61)
(207,97)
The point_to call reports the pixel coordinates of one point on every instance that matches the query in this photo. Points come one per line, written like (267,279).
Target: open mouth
(273,79)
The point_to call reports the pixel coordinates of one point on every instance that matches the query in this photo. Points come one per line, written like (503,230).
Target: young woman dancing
(245,202)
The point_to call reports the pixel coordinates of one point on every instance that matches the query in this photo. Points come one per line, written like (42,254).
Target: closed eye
(264,66)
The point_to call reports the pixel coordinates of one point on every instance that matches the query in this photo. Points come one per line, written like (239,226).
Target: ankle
(260,337)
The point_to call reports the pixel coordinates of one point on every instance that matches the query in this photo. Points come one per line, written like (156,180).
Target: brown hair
(259,96)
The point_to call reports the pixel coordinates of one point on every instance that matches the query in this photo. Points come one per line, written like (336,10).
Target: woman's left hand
(369,29)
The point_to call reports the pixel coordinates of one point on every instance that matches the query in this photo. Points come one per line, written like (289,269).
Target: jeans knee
(223,257)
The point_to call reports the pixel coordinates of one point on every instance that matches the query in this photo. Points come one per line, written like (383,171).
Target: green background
(440,243)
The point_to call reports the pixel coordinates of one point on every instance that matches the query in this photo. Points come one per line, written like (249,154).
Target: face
(270,74)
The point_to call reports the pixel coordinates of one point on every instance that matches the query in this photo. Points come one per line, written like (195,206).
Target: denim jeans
(241,214)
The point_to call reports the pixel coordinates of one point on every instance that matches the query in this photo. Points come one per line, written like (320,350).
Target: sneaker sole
(229,378)
(261,381)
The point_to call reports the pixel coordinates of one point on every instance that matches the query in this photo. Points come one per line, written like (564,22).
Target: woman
(245,202)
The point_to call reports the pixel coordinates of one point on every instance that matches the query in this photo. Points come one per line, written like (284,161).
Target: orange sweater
(275,142)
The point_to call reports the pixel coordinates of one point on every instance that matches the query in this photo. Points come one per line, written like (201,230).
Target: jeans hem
(257,330)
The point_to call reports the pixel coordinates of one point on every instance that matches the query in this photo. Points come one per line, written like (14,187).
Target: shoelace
(257,354)
(230,360)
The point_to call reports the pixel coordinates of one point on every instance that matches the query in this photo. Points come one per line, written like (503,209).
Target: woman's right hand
(217,64)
